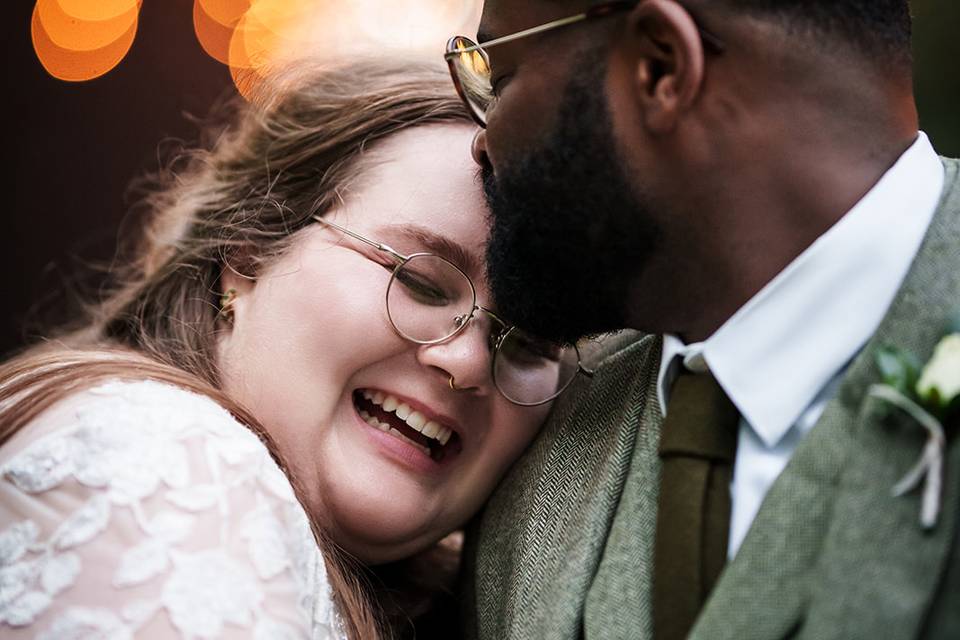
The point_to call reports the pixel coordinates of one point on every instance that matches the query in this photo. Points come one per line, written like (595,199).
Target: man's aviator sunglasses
(470,65)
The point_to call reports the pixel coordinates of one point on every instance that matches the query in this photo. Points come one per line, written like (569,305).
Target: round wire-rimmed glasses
(470,67)
(430,300)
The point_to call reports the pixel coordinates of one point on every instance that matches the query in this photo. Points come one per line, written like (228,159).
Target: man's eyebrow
(426,240)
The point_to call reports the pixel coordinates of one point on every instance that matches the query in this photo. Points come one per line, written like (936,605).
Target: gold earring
(226,305)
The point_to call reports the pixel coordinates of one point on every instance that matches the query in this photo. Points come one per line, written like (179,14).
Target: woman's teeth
(414,419)
(383,426)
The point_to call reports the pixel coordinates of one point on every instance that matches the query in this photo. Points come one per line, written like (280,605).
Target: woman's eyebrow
(425,239)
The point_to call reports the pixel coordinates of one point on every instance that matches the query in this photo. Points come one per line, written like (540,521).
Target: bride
(298,377)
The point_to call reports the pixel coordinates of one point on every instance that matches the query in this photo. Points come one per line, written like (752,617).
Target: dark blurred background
(76,147)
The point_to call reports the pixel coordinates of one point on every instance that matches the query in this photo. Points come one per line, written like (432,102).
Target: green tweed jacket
(564,549)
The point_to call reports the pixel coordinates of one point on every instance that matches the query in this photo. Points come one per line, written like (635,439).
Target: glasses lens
(472,70)
(429,299)
(531,371)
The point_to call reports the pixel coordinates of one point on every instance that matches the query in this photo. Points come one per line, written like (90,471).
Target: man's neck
(750,222)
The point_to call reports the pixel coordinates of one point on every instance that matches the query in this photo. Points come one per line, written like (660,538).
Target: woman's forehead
(432,162)
(421,184)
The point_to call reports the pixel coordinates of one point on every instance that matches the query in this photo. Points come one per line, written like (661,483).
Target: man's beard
(569,231)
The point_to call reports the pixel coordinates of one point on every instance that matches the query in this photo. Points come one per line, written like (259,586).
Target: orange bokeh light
(72,34)
(225,12)
(270,30)
(82,39)
(213,36)
(274,31)
(96,10)
(73,65)
(259,37)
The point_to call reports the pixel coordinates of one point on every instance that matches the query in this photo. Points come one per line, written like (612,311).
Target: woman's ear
(668,62)
(235,290)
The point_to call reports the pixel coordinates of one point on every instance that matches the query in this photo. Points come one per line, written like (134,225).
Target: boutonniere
(930,395)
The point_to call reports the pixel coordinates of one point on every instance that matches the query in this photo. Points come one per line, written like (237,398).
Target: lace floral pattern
(138,510)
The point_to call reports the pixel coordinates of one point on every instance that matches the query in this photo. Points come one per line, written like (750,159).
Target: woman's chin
(374,544)
(381,517)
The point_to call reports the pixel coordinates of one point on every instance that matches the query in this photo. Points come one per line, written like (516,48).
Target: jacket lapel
(831,553)
(619,603)
(541,537)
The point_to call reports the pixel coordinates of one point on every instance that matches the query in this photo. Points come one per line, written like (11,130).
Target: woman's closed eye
(422,288)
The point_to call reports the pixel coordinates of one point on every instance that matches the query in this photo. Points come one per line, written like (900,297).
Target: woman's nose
(464,361)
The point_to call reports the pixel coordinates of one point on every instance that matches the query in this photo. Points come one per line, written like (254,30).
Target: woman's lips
(395,416)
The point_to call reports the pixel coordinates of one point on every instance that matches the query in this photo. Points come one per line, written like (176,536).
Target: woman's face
(311,347)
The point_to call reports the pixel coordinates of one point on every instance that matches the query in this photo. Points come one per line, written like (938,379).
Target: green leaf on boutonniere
(899,369)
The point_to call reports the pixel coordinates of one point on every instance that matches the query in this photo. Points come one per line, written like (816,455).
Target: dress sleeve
(138,510)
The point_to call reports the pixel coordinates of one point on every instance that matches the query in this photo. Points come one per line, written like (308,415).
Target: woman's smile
(436,437)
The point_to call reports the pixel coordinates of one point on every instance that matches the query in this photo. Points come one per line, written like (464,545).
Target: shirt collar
(782,347)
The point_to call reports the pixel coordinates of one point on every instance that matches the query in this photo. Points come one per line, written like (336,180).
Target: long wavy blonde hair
(234,204)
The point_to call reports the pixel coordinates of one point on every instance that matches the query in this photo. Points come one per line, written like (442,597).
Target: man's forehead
(502,17)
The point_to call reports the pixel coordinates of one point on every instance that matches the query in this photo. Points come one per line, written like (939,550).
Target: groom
(744,182)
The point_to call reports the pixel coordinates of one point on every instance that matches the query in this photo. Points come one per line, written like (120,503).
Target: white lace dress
(139,510)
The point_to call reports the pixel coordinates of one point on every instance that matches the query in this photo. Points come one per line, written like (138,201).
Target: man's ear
(668,62)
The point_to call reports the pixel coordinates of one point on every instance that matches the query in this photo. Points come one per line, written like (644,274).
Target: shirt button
(695,362)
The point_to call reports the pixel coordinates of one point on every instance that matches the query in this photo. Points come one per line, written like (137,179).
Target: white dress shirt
(781,357)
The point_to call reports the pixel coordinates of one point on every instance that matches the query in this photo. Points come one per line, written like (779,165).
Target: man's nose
(479,149)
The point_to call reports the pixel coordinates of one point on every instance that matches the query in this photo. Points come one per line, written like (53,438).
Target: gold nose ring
(453,384)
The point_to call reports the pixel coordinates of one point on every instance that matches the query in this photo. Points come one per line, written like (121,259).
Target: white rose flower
(940,381)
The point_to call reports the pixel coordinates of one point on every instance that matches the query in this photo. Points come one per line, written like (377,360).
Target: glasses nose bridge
(496,329)
(495,320)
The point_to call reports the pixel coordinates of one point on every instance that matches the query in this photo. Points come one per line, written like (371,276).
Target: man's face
(569,230)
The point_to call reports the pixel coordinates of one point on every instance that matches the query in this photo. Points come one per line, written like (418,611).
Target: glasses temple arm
(521,34)
(712,41)
(376,245)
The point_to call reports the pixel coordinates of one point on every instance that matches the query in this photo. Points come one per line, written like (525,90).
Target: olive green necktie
(698,445)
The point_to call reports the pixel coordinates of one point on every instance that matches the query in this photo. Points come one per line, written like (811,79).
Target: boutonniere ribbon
(930,395)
